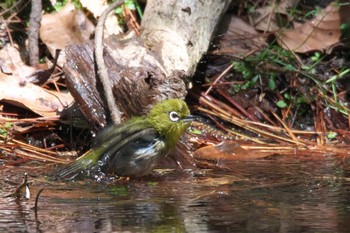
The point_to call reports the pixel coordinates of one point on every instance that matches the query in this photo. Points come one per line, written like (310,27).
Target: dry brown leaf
(96,8)
(68,26)
(227,151)
(317,34)
(238,38)
(35,98)
(270,18)
(9,57)
(11,63)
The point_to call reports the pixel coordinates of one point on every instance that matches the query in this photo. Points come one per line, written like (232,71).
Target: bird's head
(170,118)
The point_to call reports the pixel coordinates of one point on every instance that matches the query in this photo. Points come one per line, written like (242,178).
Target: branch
(101,66)
(33,34)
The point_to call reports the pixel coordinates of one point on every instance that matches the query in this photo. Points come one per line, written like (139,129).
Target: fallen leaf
(238,37)
(68,26)
(272,17)
(9,56)
(35,98)
(11,63)
(319,33)
(227,151)
(96,8)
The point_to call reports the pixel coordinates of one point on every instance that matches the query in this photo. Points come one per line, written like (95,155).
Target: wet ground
(274,194)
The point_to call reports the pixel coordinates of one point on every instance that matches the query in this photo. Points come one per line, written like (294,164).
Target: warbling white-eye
(135,147)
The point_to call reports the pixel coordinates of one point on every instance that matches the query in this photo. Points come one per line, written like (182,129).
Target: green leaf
(316,56)
(344,26)
(120,191)
(301,100)
(130,4)
(287,96)
(250,83)
(272,83)
(118,10)
(331,135)
(194,131)
(281,104)
(305,67)
(154,184)
(4,129)
(244,68)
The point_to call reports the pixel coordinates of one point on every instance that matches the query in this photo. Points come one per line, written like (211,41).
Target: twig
(101,66)
(219,77)
(37,200)
(8,30)
(217,111)
(131,20)
(27,151)
(289,131)
(33,34)
(18,5)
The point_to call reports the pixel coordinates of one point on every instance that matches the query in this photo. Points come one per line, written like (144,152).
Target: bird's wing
(136,155)
(115,138)
(115,133)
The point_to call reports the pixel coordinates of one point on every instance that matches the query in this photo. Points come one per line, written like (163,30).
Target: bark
(33,33)
(180,31)
(150,68)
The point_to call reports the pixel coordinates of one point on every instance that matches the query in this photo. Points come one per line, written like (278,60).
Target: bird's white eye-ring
(174,116)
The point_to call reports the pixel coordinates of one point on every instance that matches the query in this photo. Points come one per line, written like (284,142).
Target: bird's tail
(82,165)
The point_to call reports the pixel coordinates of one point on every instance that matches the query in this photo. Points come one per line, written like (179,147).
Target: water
(275,194)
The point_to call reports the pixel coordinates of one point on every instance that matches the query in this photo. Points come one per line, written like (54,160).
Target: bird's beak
(190,118)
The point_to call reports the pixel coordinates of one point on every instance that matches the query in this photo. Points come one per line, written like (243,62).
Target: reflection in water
(276,194)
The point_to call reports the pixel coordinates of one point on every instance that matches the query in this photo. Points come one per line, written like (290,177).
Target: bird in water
(134,148)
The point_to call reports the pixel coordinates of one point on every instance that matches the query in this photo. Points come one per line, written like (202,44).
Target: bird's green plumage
(159,119)
(135,147)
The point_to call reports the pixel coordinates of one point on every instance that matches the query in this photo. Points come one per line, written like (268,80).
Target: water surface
(274,194)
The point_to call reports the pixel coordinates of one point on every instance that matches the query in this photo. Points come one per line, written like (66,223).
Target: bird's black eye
(174,116)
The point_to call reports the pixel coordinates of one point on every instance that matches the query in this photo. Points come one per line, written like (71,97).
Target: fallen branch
(33,33)
(101,66)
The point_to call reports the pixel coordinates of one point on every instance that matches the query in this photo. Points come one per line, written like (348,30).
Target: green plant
(5,128)
(130,4)
(316,58)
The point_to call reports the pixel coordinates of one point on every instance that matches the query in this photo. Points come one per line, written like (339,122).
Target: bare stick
(33,34)
(37,199)
(101,66)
